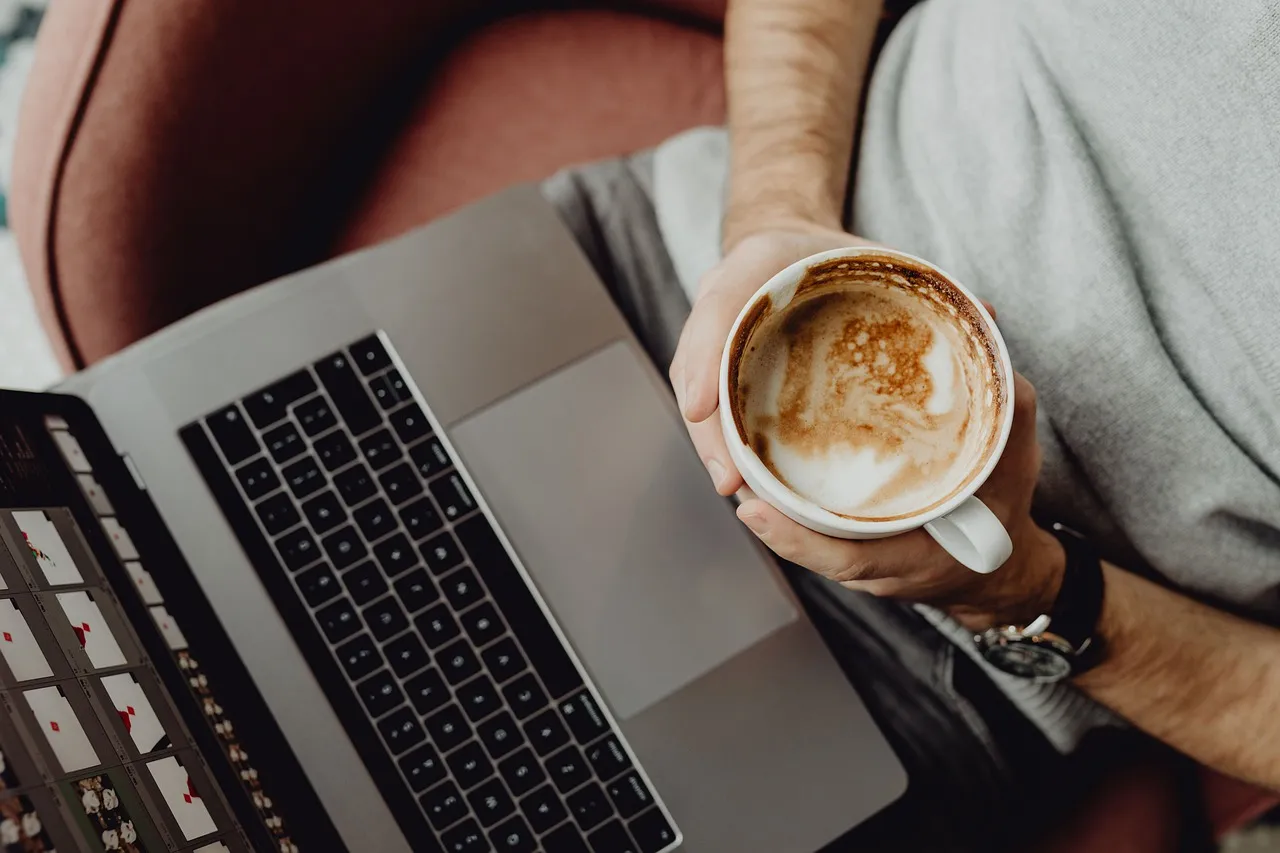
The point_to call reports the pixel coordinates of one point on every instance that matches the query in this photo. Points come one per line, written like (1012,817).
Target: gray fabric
(968,752)
(1106,174)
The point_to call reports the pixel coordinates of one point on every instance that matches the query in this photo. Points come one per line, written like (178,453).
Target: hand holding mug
(910,565)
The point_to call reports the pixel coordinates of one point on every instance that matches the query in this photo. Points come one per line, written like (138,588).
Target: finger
(991,309)
(701,350)
(709,441)
(838,559)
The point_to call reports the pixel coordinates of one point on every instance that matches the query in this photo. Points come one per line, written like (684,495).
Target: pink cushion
(529,95)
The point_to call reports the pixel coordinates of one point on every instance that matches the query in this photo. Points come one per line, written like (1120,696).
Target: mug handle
(973,535)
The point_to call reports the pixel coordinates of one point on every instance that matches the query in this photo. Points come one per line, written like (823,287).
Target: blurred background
(25,358)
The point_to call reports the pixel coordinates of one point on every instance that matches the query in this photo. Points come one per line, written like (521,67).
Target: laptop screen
(129,723)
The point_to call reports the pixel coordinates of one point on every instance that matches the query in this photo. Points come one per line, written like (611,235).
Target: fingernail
(685,395)
(716,470)
(755,522)
(679,387)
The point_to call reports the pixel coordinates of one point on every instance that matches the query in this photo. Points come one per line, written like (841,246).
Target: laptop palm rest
(593,478)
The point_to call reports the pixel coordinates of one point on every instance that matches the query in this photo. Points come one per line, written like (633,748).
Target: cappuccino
(875,393)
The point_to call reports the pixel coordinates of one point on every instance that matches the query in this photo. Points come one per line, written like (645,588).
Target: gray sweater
(1108,175)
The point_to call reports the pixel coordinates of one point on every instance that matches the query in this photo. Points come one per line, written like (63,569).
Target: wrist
(785,209)
(1022,590)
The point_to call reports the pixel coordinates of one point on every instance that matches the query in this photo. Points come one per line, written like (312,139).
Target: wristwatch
(1061,643)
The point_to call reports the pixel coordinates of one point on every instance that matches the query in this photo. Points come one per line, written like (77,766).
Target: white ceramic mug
(962,524)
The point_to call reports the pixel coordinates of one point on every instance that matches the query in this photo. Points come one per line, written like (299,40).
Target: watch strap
(1075,613)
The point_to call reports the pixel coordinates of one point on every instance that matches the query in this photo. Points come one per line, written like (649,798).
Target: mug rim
(802,510)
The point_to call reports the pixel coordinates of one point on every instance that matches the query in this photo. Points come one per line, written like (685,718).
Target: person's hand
(914,567)
(695,369)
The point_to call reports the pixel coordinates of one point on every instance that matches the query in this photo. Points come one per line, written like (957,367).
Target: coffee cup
(865,393)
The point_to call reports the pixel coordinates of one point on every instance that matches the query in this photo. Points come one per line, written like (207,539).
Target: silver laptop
(446,512)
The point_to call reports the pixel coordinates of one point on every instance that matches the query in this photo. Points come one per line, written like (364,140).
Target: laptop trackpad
(593,478)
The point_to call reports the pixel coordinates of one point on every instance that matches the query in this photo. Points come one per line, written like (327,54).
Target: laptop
(405,552)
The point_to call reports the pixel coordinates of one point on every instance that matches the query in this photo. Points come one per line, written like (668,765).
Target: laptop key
(338,621)
(420,518)
(324,512)
(379,693)
(410,423)
(400,730)
(448,728)
(334,450)
(452,495)
(466,837)
(379,449)
(566,839)
(462,588)
(348,393)
(430,457)
(441,553)
(284,443)
(503,660)
(269,405)
(257,478)
(522,772)
(385,618)
(390,389)
(400,484)
(427,691)
(513,836)
(304,477)
(458,662)
(359,657)
(277,513)
(543,809)
(629,794)
(470,765)
(583,716)
(491,802)
(375,519)
(589,806)
(364,582)
(437,626)
(652,832)
(423,768)
(568,769)
(444,805)
(525,696)
(417,590)
(395,555)
(483,624)
(608,758)
(407,655)
(612,838)
(370,355)
(233,435)
(318,585)
(297,549)
(344,547)
(315,416)
(546,733)
(500,735)
(355,484)
(478,698)
(526,619)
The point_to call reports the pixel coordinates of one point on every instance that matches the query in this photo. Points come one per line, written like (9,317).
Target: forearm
(1199,679)
(794,73)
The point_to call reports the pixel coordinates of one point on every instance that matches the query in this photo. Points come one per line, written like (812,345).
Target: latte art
(875,393)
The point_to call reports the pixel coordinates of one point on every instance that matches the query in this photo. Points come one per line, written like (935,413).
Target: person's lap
(968,752)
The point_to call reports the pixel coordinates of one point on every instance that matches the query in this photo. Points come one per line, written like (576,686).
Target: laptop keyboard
(397,575)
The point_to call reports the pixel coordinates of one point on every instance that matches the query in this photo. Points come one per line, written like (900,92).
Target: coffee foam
(876,393)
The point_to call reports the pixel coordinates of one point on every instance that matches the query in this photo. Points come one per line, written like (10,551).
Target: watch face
(1027,659)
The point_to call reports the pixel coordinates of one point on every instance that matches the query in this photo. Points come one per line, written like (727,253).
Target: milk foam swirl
(875,393)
